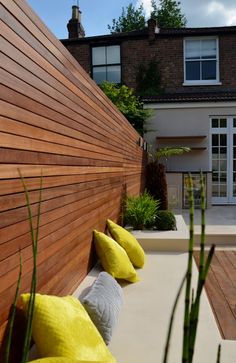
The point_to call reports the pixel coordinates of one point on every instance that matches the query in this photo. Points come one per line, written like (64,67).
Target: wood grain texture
(221,291)
(54,120)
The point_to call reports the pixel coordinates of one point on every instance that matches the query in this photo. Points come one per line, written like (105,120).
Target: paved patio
(215,216)
(220,225)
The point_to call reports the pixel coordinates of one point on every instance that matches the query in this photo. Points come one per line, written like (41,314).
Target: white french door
(223,159)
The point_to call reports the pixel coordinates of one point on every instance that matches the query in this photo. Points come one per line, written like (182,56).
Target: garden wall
(55,120)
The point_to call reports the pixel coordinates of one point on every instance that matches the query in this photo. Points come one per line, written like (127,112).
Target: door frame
(230,130)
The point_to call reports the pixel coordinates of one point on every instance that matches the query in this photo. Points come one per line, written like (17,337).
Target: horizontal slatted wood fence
(55,120)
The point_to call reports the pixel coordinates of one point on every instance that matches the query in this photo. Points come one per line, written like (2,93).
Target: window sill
(216,83)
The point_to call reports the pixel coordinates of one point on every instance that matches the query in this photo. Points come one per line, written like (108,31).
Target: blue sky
(96,14)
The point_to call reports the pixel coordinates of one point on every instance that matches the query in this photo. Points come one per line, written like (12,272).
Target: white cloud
(218,9)
(146,6)
(203,13)
(209,12)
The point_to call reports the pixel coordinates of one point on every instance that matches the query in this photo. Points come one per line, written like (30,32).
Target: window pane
(223,165)
(215,177)
(223,122)
(215,190)
(215,153)
(113,54)
(223,152)
(215,140)
(234,137)
(208,49)
(99,74)
(223,177)
(192,49)
(234,190)
(234,122)
(192,71)
(223,190)
(215,166)
(99,55)
(223,139)
(208,70)
(214,122)
(113,74)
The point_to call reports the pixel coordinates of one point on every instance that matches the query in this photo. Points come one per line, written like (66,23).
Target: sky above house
(97,14)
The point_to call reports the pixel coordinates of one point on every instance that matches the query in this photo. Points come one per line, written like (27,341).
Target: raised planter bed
(173,241)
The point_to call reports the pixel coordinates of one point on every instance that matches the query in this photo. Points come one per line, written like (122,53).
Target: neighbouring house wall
(167,50)
(55,120)
(186,120)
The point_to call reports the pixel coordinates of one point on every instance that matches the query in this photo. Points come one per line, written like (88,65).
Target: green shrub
(165,220)
(140,211)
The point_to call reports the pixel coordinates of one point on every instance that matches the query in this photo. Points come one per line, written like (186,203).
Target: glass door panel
(234,160)
(223,156)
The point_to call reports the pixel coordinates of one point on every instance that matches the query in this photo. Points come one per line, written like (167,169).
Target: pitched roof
(192,97)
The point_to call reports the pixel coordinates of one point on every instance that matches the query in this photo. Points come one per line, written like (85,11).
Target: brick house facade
(197,107)
(166,47)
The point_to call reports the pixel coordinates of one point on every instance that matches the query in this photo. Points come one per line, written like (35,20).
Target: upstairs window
(201,61)
(106,64)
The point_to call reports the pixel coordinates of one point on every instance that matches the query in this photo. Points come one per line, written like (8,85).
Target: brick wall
(168,50)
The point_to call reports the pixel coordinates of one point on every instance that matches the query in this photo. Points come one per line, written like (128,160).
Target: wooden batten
(54,120)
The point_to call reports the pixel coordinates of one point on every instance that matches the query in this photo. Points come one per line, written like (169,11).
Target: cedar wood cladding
(55,119)
(167,49)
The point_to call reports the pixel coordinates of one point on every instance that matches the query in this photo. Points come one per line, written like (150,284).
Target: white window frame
(105,64)
(203,82)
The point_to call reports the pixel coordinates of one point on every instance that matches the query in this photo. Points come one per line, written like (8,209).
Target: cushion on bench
(103,303)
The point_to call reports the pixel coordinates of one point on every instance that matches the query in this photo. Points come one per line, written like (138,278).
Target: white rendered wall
(183,120)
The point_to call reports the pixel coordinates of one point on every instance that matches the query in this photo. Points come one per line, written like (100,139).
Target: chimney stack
(74,26)
(152,29)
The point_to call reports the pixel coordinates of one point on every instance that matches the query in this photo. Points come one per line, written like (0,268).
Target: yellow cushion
(62,360)
(113,258)
(128,242)
(62,328)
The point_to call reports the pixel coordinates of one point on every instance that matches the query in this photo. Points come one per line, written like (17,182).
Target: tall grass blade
(196,305)
(34,239)
(167,346)
(203,270)
(12,317)
(218,354)
(203,226)
(185,351)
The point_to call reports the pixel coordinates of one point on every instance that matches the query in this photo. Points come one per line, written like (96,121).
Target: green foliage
(140,211)
(128,104)
(130,19)
(34,232)
(166,152)
(149,80)
(168,14)
(165,220)
(192,300)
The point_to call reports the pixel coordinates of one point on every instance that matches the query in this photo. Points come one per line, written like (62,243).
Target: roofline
(185,99)
(189,105)
(163,33)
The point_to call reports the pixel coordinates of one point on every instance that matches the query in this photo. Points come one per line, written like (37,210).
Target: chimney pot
(74,26)
(75,12)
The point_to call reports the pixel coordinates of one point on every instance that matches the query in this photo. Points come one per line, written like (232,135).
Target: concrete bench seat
(141,331)
(142,328)
(143,323)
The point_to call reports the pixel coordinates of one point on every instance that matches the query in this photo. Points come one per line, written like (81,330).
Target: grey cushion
(103,303)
